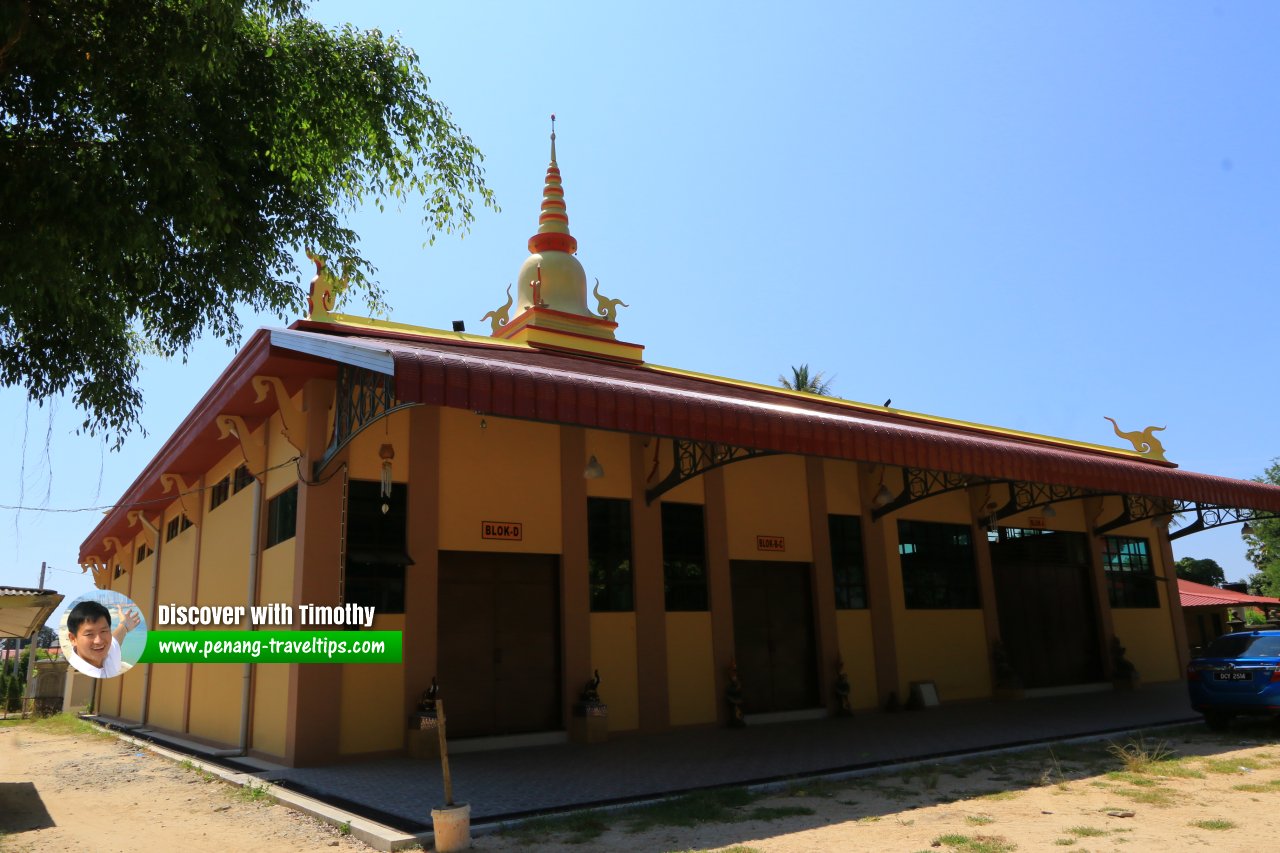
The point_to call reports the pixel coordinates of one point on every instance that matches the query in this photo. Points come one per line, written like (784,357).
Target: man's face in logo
(93,641)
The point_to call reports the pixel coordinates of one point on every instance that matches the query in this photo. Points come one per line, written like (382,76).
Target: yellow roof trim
(373,324)
(904,413)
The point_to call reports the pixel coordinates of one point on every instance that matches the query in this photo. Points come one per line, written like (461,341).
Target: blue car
(1237,674)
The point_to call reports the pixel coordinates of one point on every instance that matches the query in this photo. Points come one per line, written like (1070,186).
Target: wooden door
(499,643)
(1045,602)
(773,635)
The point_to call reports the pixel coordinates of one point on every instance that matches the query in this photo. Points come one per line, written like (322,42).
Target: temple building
(537,503)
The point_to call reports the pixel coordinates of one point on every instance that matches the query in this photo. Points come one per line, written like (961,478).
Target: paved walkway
(503,784)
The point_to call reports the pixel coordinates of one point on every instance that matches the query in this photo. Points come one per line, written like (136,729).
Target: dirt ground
(1176,790)
(63,792)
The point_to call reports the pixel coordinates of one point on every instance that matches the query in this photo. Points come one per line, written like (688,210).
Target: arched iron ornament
(1207,515)
(693,458)
(363,397)
(1025,495)
(921,483)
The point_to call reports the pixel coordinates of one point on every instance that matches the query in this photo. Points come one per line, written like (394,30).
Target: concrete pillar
(650,595)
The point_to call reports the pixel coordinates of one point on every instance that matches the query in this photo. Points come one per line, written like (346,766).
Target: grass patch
(737,848)
(979,819)
(1132,778)
(1085,831)
(1265,788)
(67,724)
(1149,796)
(575,829)
(252,793)
(1139,755)
(690,810)
(1212,824)
(1065,842)
(999,795)
(975,843)
(1231,765)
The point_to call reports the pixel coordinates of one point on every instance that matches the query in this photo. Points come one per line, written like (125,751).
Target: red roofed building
(539,503)
(1206,609)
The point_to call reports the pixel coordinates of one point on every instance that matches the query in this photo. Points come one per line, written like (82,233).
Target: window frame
(938,574)
(610,555)
(848,561)
(1131,577)
(282,525)
(688,593)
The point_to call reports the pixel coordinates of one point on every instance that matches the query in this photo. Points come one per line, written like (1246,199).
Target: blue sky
(1028,215)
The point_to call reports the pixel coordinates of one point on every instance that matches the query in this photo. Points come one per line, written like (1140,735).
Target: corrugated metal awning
(556,388)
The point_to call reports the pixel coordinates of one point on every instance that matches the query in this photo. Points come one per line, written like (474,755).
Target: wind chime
(387,452)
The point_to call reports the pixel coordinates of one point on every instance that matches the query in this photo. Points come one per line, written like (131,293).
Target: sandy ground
(1077,798)
(62,792)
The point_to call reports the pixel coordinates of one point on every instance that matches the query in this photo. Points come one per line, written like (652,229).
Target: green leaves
(166,159)
(1263,543)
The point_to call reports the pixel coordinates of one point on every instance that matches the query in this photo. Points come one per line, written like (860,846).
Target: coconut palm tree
(802,380)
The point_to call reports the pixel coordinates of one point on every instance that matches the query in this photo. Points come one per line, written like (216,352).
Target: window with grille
(938,569)
(240,479)
(219,493)
(1131,582)
(176,526)
(684,556)
(143,553)
(282,516)
(609,554)
(376,546)
(847,562)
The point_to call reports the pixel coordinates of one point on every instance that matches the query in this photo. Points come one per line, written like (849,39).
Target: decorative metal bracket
(693,458)
(363,397)
(1209,516)
(921,483)
(1141,508)
(1025,495)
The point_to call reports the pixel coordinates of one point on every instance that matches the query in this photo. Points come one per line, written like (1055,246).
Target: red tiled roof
(1200,595)
(466,373)
(562,389)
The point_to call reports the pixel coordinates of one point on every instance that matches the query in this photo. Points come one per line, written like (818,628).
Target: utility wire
(164,500)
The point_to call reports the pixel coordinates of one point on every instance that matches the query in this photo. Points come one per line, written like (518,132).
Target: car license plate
(1233,676)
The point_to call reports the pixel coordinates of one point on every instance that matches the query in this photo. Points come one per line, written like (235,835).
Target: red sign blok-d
(512,531)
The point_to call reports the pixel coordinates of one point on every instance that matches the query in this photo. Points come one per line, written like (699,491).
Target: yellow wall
(372,710)
(168,685)
(842,487)
(508,471)
(947,647)
(613,652)
(1147,635)
(947,508)
(279,450)
(857,650)
(216,689)
(169,680)
(691,676)
(613,451)
(271,680)
(768,496)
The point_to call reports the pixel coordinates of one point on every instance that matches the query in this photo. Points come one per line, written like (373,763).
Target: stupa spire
(553,223)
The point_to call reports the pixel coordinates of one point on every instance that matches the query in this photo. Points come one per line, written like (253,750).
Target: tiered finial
(553,223)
